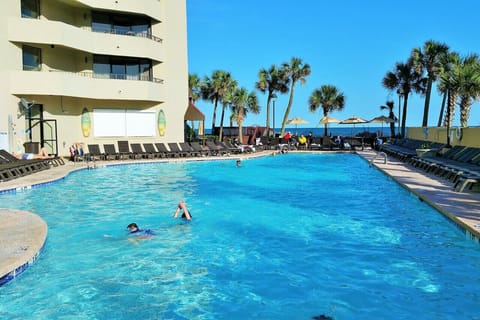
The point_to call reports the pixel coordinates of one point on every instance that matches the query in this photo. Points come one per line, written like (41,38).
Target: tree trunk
(442,110)
(450,112)
(240,122)
(220,135)
(427,103)
(392,124)
(287,111)
(325,133)
(267,121)
(214,117)
(404,115)
(465,106)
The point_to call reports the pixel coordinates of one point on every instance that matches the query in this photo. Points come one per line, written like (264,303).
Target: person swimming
(182,205)
(135,230)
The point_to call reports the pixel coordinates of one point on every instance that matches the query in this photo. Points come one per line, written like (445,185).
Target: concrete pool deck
(23,234)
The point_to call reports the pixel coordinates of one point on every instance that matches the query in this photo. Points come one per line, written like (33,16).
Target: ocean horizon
(333,131)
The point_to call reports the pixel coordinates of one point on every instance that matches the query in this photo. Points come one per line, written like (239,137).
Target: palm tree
(243,103)
(271,81)
(468,86)
(460,81)
(296,71)
(214,88)
(231,86)
(429,59)
(329,98)
(194,87)
(404,78)
(449,62)
(389,106)
(449,86)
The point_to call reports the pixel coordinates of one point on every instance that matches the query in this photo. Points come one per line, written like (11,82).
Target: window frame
(35,54)
(27,11)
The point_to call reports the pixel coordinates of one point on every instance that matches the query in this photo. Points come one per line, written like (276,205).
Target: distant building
(92,71)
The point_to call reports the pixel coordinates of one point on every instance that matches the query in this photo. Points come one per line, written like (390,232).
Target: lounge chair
(166,153)
(9,171)
(173,146)
(316,144)
(94,152)
(110,152)
(200,149)
(137,151)
(329,144)
(151,151)
(265,143)
(29,165)
(188,149)
(466,180)
(218,149)
(227,147)
(13,167)
(124,150)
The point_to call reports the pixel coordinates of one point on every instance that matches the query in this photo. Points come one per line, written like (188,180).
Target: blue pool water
(285,237)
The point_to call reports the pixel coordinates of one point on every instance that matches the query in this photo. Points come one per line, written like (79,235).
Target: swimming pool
(286,237)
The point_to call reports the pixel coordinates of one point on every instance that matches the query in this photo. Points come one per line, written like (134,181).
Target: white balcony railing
(62,34)
(85,85)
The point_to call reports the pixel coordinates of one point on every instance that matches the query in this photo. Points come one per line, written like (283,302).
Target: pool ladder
(380,154)
(87,161)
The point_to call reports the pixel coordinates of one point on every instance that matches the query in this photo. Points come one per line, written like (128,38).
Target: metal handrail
(125,33)
(113,76)
(380,154)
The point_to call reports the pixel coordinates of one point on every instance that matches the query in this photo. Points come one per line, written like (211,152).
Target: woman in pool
(182,205)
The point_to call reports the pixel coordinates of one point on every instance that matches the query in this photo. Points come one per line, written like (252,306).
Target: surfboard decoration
(86,122)
(161,122)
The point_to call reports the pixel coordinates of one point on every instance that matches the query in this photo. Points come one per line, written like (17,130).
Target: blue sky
(347,43)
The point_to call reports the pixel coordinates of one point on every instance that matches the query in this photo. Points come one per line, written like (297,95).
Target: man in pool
(142,234)
(182,205)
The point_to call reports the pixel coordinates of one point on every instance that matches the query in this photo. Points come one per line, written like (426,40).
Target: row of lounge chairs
(128,150)
(12,168)
(459,164)
(318,143)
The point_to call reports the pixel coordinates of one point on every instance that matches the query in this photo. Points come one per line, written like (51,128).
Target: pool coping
(462,209)
(23,236)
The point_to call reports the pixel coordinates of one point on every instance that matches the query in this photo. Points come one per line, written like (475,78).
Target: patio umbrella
(326,120)
(382,119)
(353,120)
(296,121)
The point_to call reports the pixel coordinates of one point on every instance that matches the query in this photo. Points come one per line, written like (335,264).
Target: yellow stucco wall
(463,137)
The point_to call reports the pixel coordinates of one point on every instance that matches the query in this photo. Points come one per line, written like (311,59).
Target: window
(31,9)
(108,67)
(32,58)
(121,24)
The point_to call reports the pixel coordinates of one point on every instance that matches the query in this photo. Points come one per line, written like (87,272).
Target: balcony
(151,8)
(37,31)
(86,85)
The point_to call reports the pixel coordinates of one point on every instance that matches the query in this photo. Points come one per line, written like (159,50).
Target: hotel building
(92,72)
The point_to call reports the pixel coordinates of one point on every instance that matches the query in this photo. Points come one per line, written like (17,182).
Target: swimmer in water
(182,205)
(133,229)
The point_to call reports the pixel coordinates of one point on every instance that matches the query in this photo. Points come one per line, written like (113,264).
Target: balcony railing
(113,76)
(124,33)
